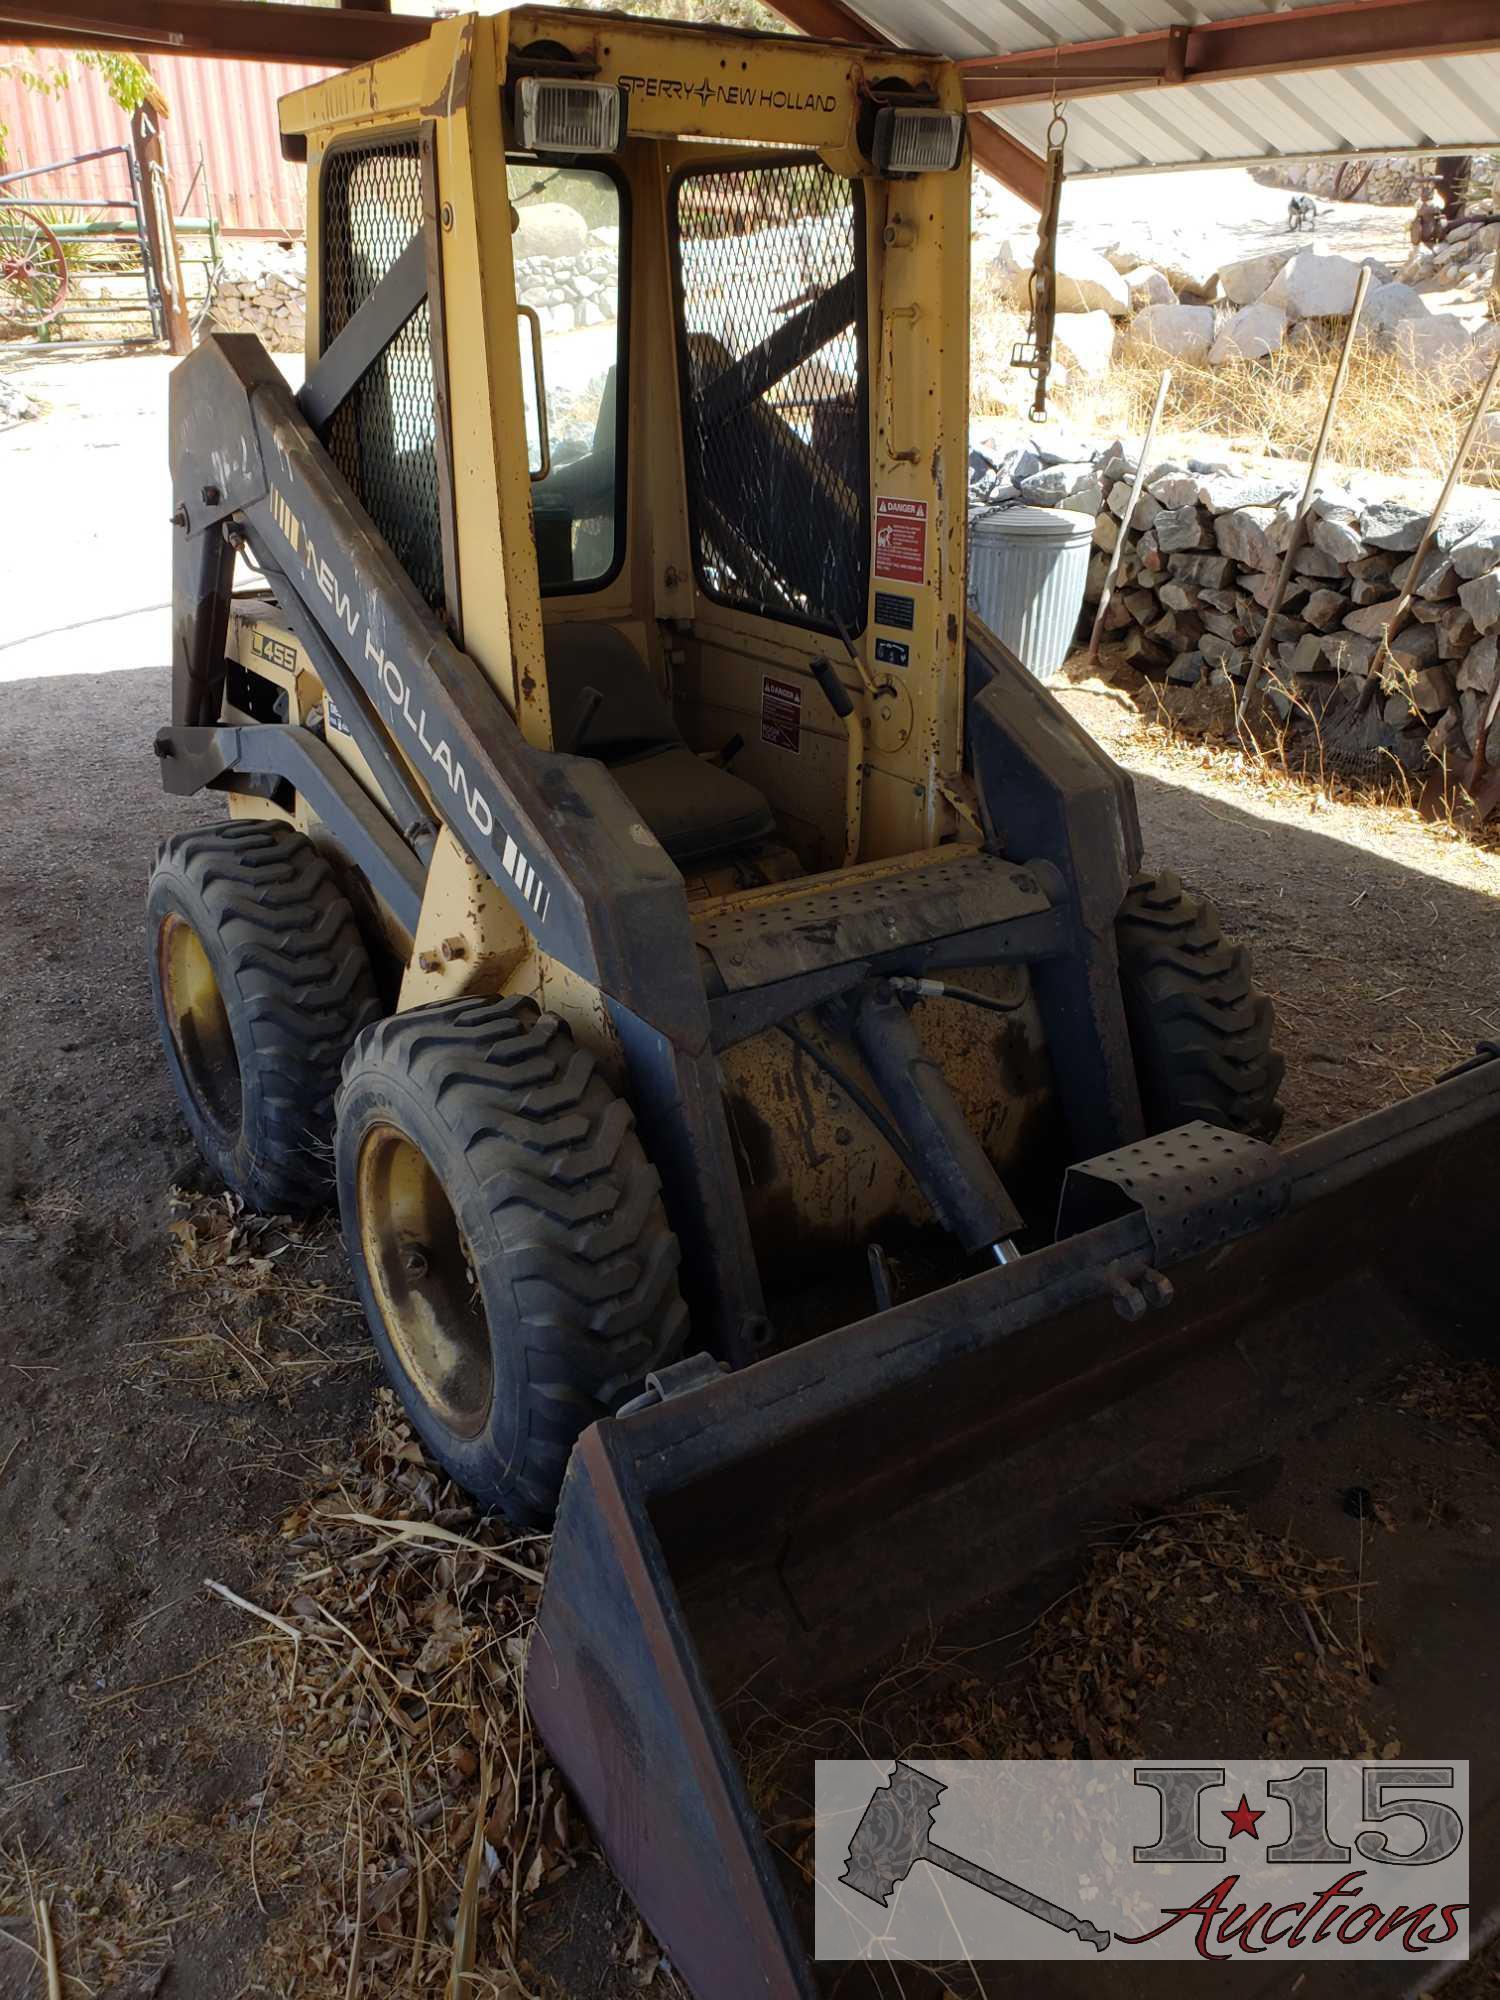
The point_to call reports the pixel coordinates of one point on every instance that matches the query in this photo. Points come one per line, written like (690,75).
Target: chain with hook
(1035,352)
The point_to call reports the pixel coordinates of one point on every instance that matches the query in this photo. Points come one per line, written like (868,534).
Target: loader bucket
(789,1527)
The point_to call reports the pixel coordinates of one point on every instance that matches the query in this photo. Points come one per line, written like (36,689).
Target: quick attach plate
(1196,1186)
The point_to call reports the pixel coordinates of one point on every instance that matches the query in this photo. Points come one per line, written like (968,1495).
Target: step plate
(1196,1186)
(859,915)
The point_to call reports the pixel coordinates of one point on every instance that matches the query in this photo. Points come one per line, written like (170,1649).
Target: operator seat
(605,704)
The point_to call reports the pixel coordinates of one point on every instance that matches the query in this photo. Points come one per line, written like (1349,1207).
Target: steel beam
(253,33)
(1310,38)
(1015,166)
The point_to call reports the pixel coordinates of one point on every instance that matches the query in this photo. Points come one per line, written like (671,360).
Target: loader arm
(540,824)
(552,832)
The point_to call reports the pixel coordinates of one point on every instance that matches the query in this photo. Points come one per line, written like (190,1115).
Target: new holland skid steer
(648,895)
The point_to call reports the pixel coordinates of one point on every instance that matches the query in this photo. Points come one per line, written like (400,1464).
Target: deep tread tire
(561,1219)
(295,981)
(1201,1029)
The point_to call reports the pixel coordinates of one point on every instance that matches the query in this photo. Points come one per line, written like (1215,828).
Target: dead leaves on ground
(408,1819)
(254,1308)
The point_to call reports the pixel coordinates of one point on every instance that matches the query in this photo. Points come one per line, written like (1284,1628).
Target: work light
(557,116)
(909,141)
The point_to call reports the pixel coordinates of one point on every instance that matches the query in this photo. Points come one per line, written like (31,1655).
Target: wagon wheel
(33,270)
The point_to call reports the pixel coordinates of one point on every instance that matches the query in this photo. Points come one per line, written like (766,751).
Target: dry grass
(107,1932)
(1285,762)
(252,1301)
(1455,1402)
(54,1207)
(1392,419)
(407,1821)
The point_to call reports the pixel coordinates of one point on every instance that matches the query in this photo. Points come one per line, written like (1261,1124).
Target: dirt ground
(156,1431)
(1376,934)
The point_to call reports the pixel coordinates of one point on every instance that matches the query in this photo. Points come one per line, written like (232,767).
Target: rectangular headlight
(561,117)
(917,142)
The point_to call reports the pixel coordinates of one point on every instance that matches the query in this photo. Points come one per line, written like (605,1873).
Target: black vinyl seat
(606,705)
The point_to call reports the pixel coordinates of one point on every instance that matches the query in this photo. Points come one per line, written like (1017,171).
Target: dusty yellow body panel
(469,940)
(815,1173)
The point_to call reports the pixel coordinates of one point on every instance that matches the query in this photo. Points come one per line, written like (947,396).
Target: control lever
(841,702)
(588,709)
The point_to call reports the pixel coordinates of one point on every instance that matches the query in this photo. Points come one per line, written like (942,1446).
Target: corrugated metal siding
(223,112)
(1450,105)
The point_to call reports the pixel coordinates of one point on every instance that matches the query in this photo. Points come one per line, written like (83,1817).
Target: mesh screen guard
(384,438)
(771,326)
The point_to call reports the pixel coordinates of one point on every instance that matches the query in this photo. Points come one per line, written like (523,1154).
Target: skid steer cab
(673,924)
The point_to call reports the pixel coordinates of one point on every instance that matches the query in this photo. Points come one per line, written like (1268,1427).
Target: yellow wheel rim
(423,1278)
(199,1025)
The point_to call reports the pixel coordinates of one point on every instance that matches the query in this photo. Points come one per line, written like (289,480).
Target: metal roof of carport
(1151,85)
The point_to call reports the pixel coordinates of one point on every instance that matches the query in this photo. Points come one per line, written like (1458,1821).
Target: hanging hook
(1035,352)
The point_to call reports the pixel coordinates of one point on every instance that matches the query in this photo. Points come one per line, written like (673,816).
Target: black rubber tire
(1201,1030)
(295,983)
(563,1231)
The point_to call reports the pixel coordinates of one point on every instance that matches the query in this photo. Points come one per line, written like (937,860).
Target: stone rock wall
(576,288)
(1198,570)
(1243,312)
(1465,257)
(1393,180)
(262,289)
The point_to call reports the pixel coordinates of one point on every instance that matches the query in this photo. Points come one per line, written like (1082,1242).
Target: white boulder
(1254,332)
(1086,282)
(1006,278)
(549,229)
(1313,286)
(1149,287)
(1085,341)
(1387,305)
(1435,342)
(1184,332)
(1244,282)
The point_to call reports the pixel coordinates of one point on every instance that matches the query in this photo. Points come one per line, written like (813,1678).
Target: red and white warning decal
(780,713)
(900,539)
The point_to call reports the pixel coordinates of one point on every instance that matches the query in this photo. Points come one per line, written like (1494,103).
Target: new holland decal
(746,95)
(394,685)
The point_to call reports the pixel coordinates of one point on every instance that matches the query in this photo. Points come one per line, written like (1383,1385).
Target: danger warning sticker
(780,713)
(900,538)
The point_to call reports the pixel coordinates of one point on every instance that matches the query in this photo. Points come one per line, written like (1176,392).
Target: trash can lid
(1054,524)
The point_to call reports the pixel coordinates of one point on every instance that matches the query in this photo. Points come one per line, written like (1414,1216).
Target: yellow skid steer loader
(648,895)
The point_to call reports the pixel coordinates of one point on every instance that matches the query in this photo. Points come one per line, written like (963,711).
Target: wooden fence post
(161,226)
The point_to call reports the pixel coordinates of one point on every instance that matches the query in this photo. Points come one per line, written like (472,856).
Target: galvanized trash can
(1027,571)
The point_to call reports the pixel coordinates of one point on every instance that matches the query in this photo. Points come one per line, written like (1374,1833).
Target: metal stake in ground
(892,1837)
(1135,493)
(1434,520)
(1309,493)
(1436,786)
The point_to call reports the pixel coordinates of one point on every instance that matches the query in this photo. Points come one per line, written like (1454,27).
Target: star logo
(1242,1819)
